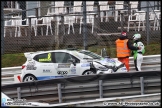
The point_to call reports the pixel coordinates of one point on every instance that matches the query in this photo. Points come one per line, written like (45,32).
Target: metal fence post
(122,18)
(84,26)
(147,24)
(97,20)
(158,4)
(36,12)
(142,85)
(59,93)
(2,28)
(98,12)
(57,41)
(129,9)
(100,89)
(19,93)
(62,30)
(30,31)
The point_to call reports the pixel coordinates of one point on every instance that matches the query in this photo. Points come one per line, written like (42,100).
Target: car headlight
(99,66)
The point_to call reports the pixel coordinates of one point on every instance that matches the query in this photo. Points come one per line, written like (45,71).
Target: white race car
(43,65)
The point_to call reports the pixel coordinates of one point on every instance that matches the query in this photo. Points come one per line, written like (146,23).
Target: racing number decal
(49,56)
(62,72)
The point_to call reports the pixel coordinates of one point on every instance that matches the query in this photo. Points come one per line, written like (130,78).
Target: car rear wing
(28,55)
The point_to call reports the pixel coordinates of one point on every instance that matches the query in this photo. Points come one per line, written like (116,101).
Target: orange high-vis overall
(123,52)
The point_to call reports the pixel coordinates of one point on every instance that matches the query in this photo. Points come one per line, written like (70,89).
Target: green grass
(11,60)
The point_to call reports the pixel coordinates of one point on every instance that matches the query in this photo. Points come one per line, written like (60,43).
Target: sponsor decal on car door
(63,69)
(68,69)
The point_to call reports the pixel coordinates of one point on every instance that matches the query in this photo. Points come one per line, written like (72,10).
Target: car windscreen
(91,54)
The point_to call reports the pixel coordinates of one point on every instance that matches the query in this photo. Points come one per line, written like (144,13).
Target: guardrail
(10,71)
(7,74)
(83,88)
(151,62)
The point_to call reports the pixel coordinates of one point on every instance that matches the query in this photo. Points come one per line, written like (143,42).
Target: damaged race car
(42,65)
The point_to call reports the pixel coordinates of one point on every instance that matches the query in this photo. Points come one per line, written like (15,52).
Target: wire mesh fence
(49,25)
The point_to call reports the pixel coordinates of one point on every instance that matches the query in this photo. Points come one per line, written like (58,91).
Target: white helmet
(136,36)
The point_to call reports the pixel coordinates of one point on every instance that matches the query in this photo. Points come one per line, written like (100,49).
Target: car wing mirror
(72,61)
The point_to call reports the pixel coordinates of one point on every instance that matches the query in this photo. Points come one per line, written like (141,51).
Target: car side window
(44,58)
(61,57)
(76,59)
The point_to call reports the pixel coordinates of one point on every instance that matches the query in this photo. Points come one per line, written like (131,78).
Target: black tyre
(88,72)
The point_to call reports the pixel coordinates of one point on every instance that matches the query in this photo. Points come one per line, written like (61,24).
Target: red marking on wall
(19,78)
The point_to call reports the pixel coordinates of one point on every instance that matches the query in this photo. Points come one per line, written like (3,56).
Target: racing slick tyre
(28,78)
(88,72)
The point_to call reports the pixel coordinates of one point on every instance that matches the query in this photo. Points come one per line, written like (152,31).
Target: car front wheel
(88,72)
(29,78)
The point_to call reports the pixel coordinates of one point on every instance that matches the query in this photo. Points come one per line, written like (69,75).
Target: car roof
(41,52)
(30,55)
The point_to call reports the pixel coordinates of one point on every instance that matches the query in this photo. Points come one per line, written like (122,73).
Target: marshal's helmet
(136,36)
(124,34)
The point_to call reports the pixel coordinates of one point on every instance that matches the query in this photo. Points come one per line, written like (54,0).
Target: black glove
(132,53)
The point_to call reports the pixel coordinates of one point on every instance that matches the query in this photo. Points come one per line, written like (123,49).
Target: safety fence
(83,88)
(48,25)
(150,62)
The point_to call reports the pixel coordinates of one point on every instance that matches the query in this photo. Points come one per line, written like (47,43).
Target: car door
(44,66)
(63,66)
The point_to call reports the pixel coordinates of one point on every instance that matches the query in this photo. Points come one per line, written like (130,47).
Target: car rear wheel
(88,72)
(29,78)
